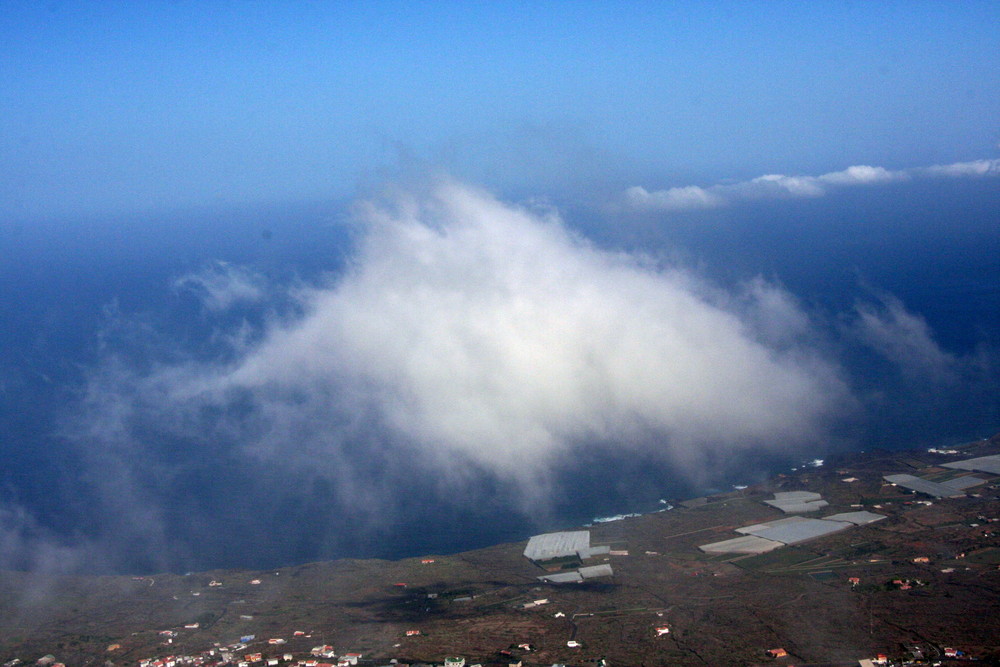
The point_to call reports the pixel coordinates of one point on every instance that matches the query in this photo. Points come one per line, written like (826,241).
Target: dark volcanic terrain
(927,580)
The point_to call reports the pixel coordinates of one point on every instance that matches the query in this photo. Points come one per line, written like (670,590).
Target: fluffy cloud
(467,340)
(470,352)
(776,186)
(474,331)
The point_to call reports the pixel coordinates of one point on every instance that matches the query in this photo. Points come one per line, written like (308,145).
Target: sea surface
(64,284)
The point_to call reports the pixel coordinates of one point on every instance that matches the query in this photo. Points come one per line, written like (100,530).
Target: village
(892,561)
(251,652)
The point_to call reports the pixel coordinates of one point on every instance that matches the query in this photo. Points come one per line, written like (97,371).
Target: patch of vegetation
(205,618)
(562,563)
(779,558)
(456,593)
(988,556)
(87,639)
(859,550)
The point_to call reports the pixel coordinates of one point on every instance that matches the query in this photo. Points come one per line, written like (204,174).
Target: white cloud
(471,335)
(222,285)
(774,184)
(468,344)
(466,339)
(963,169)
(675,199)
(863,175)
(26,545)
(775,314)
(475,331)
(904,339)
(777,186)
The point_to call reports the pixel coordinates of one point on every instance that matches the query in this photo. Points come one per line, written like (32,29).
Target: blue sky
(138,107)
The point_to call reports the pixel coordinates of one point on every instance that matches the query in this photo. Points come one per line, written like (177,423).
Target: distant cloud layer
(775,186)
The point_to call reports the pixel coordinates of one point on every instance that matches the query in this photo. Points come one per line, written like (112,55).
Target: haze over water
(290,283)
(110,299)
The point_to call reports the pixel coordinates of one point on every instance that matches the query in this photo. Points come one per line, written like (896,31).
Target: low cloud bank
(27,545)
(469,355)
(482,334)
(467,340)
(777,186)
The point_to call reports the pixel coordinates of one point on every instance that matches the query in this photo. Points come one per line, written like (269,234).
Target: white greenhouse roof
(748,544)
(990,464)
(857,518)
(562,577)
(797,502)
(753,529)
(800,531)
(797,495)
(557,545)
(592,571)
(924,486)
(966,482)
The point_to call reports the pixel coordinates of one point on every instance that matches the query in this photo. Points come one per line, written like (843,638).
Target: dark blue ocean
(64,284)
